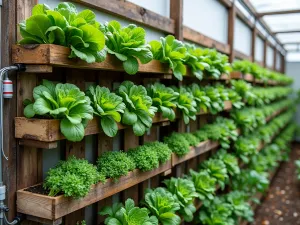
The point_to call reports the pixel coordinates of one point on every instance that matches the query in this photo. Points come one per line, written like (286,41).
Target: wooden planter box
(201,148)
(238,75)
(275,114)
(53,208)
(57,56)
(47,130)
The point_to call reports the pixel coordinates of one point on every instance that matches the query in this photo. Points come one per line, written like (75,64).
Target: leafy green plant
(217,169)
(65,26)
(205,184)
(171,51)
(145,157)
(72,178)
(114,164)
(186,104)
(193,60)
(178,144)
(64,102)
(164,98)
(127,44)
(216,101)
(162,150)
(246,146)
(185,192)
(127,215)
(162,204)
(139,110)
(230,161)
(202,100)
(108,106)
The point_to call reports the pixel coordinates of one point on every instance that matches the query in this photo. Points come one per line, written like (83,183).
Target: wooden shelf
(53,208)
(201,148)
(236,75)
(44,133)
(48,130)
(49,55)
(275,114)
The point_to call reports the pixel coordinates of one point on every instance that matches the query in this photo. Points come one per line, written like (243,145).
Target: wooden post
(77,149)
(283,63)
(176,13)
(274,59)
(254,34)
(265,52)
(231,23)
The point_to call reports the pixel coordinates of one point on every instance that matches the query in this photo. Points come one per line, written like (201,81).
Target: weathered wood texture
(8,38)
(55,207)
(198,38)
(57,56)
(133,13)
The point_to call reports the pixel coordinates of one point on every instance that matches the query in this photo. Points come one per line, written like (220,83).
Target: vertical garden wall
(211,103)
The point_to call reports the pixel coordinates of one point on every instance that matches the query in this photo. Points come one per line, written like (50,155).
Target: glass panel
(275,5)
(291,47)
(293,57)
(245,11)
(283,22)
(285,38)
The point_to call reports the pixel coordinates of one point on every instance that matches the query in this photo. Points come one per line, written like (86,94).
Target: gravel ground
(282,203)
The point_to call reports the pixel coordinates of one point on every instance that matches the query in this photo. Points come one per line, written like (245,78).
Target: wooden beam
(286,31)
(132,12)
(198,38)
(253,44)
(231,19)
(176,13)
(278,12)
(274,59)
(291,43)
(241,55)
(265,52)
(226,3)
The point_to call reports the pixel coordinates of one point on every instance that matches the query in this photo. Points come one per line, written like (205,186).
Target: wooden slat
(38,144)
(44,221)
(226,3)
(133,13)
(195,151)
(198,38)
(176,13)
(55,55)
(231,22)
(241,55)
(48,130)
(39,69)
(53,208)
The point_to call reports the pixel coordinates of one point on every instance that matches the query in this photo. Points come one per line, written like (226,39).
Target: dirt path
(282,203)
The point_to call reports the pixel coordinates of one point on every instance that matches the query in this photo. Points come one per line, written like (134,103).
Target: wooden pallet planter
(240,76)
(57,56)
(53,208)
(195,151)
(47,130)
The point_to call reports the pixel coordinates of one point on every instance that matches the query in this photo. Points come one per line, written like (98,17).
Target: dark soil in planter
(282,203)
(38,189)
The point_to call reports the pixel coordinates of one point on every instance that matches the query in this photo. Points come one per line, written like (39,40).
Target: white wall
(242,37)
(259,49)
(293,70)
(208,17)
(270,56)
(161,7)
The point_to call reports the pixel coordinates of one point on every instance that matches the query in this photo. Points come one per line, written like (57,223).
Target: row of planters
(136,105)
(132,105)
(91,41)
(144,161)
(176,201)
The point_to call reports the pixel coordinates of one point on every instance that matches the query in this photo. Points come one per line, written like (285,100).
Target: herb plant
(65,26)
(178,144)
(139,110)
(73,178)
(114,164)
(192,140)
(162,150)
(108,106)
(145,157)
(128,44)
(65,102)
